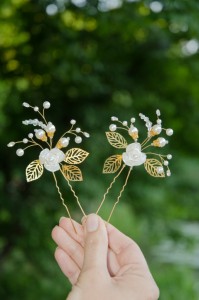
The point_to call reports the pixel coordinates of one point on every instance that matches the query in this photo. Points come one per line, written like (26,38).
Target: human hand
(101,262)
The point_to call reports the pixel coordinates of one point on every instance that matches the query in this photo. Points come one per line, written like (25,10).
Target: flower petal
(51,167)
(60,156)
(126,160)
(133,155)
(42,155)
(133,146)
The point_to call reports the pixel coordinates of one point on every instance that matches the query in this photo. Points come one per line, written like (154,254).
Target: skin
(101,262)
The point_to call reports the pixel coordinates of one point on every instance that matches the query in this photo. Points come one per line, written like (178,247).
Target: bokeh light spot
(156,6)
(51,9)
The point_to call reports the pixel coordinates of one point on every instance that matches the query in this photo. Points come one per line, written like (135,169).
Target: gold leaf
(112,164)
(151,166)
(72,173)
(116,140)
(34,170)
(75,156)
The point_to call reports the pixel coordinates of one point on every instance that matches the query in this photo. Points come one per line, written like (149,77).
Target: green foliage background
(92,63)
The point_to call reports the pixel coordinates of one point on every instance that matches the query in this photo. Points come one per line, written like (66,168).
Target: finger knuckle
(72,248)
(93,242)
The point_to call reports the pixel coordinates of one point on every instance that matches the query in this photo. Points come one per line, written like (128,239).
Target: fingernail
(61,219)
(92,223)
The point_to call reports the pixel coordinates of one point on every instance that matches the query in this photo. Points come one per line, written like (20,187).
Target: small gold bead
(50,134)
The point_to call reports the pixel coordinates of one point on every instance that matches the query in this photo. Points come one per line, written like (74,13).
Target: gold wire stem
(122,128)
(18,142)
(62,199)
(122,124)
(156,154)
(110,186)
(43,115)
(120,194)
(146,141)
(76,197)
(51,143)
(34,145)
(69,132)
(146,147)
(64,134)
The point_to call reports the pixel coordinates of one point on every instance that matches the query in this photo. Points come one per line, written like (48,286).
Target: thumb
(96,244)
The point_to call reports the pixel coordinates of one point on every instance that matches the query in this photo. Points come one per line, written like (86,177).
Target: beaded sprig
(135,153)
(52,157)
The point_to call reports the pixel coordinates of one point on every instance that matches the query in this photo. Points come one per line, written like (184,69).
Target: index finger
(117,240)
(126,249)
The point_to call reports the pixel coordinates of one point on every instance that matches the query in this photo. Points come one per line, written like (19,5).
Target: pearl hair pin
(52,156)
(134,153)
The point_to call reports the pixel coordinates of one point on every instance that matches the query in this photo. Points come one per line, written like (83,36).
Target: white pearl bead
(26,122)
(30,135)
(35,122)
(36,108)
(162,142)
(64,142)
(169,156)
(39,134)
(159,122)
(169,131)
(166,163)
(46,105)
(114,119)
(125,123)
(157,129)
(112,127)
(160,170)
(73,122)
(25,104)
(50,127)
(86,134)
(168,173)
(20,152)
(78,139)
(132,120)
(11,144)
(158,112)
(132,129)
(25,141)
(78,129)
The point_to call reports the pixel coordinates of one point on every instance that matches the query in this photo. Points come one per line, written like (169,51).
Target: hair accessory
(52,156)
(134,153)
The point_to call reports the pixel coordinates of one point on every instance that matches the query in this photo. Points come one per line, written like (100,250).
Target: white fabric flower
(133,155)
(51,159)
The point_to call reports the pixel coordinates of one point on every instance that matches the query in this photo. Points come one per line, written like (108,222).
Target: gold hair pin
(52,156)
(135,153)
